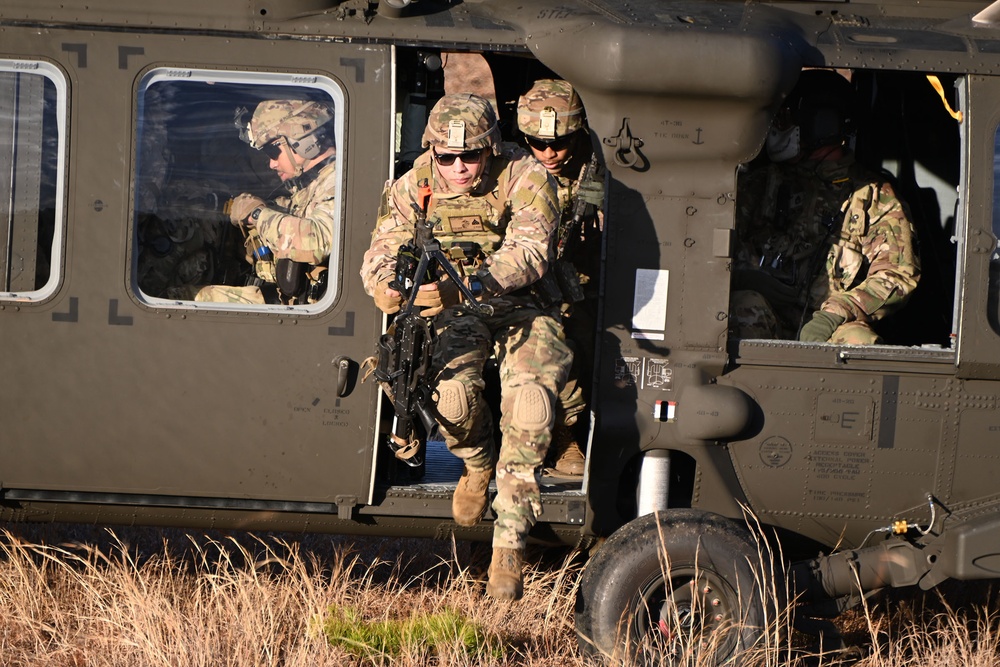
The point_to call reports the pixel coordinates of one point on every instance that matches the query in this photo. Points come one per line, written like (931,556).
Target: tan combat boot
(505,574)
(469,501)
(566,452)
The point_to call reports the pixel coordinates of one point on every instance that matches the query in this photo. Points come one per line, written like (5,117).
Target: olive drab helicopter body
(126,402)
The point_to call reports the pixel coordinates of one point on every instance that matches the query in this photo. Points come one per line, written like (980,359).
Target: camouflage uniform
(578,313)
(511,214)
(298,227)
(551,109)
(820,235)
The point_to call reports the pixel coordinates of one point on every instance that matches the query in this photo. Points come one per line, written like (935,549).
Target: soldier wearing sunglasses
(552,118)
(494,211)
(288,240)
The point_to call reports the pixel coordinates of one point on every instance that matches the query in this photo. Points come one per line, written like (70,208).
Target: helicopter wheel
(679,587)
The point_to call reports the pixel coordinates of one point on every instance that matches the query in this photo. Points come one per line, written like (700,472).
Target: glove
(390,302)
(591,192)
(820,327)
(435,297)
(241,208)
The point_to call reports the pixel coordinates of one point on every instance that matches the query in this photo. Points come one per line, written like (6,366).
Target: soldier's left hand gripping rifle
(405,351)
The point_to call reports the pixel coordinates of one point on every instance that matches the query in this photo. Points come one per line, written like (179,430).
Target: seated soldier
(826,248)
(288,241)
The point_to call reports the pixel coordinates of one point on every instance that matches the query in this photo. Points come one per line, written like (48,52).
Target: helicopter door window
(820,258)
(33,154)
(237,190)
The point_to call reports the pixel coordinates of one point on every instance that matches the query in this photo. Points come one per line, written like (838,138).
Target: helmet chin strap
(484,167)
(575,145)
(291,159)
(566,160)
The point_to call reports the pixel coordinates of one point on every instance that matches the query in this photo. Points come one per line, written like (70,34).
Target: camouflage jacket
(513,214)
(303,232)
(825,235)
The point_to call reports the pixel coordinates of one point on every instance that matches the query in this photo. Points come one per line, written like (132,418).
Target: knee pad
(532,408)
(452,401)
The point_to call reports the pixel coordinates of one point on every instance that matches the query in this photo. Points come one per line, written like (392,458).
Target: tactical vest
(470,228)
(296,282)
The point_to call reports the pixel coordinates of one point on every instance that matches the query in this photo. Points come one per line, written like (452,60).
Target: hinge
(345,507)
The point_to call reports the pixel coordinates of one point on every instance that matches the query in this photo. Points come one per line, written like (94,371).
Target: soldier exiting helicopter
(494,210)
(552,119)
(826,247)
(288,240)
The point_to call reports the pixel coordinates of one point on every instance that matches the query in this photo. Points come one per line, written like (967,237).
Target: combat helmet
(823,105)
(300,122)
(551,109)
(462,122)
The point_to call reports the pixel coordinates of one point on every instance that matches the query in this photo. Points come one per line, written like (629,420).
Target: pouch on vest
(467,254)
(290,276)
(545,291)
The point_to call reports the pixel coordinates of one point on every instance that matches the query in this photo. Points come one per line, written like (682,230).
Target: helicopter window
(196,155)
(32,150)
(918,156)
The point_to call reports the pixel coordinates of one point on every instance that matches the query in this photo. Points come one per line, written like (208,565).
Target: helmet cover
(551,109)
(294,120)
(462,122)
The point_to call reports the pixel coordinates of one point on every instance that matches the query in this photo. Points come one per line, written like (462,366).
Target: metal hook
(624,144)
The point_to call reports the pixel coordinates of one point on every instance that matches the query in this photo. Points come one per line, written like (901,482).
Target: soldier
(495,207)
(826,247)
(552,119)
(288,240)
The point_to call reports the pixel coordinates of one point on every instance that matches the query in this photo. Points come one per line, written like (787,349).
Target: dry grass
(245,600)
(72,597)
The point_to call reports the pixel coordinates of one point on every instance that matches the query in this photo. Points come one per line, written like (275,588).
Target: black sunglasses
(468,157)
(272,149)
(557,145)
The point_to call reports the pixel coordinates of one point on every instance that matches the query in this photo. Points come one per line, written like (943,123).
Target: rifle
(581,209)
(563,280)
(406,349)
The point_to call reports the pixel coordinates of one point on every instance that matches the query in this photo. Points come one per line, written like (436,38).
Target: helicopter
(127,401)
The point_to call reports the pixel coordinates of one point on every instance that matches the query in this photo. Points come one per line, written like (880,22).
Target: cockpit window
(32,155)
(237,201)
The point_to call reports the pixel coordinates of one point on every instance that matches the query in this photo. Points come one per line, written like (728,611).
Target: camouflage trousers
(248,296)
(578,324)
(752,316)
(534,361)
(572,401)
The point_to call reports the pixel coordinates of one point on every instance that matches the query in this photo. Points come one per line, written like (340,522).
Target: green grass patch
(440,634)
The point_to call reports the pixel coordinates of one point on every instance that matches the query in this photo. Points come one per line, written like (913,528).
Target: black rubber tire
(625,611)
